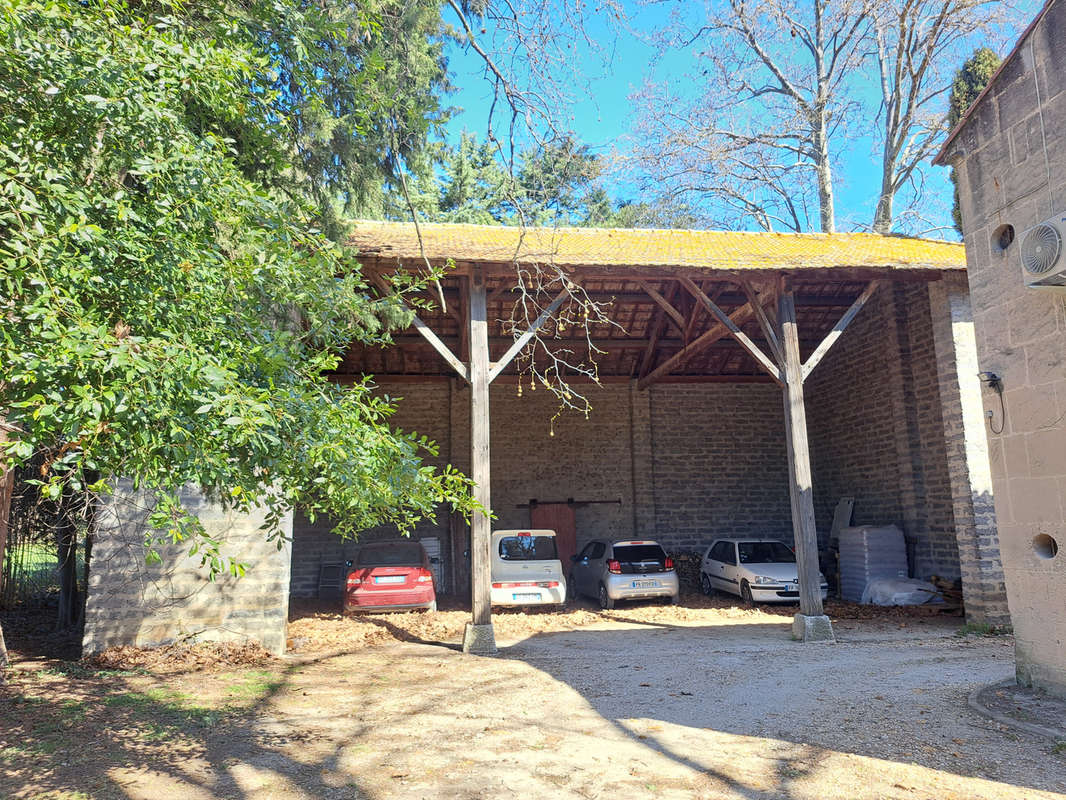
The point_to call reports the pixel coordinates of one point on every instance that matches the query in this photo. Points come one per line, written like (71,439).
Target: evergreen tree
(971,79)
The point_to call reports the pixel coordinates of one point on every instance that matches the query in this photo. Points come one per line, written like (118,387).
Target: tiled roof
(575,247)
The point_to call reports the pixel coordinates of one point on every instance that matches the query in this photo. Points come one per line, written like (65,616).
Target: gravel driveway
(721,705)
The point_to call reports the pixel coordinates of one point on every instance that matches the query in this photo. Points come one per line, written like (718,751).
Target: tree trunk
(883,214)
(68,563)
(825,183)
(3,655)
(7,484)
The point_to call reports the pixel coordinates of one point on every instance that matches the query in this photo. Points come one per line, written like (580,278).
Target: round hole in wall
(1045,546)
(1002,237)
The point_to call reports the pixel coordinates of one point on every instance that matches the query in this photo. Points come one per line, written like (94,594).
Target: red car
(390,576)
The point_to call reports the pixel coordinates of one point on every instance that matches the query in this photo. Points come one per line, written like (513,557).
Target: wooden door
(558,517)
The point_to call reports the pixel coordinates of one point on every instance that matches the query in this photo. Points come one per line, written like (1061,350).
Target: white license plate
(526,597)
(645,584)
(389,579)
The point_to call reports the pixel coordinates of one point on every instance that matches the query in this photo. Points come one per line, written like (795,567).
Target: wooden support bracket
(838,329)
(523,340)
(427,333)
(764,321)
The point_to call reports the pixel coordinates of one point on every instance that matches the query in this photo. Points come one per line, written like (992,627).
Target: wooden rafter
(655,330)
(733,329)
(671,312)
(713,334)
(838,329)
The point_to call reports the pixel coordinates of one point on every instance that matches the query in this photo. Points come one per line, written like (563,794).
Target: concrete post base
(479,640)
(812,629)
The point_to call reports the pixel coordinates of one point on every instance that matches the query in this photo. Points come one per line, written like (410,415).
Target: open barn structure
(744,383)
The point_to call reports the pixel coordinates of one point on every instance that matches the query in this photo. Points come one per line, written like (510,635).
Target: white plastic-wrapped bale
(869,552)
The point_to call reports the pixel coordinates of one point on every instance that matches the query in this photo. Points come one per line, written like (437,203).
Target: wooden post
(479,637)
(810,624)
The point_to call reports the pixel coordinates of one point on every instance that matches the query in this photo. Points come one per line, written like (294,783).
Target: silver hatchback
(626,570)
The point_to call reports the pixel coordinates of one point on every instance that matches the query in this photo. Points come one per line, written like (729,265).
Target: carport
(690,331)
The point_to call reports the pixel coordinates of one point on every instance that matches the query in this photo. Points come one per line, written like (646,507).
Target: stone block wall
(1010,158)
(719,463)
(131,602)
(875,418)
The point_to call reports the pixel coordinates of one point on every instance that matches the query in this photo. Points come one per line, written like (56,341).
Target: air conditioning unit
(1040,250)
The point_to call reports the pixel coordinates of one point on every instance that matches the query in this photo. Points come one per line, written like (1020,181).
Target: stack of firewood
(951,591)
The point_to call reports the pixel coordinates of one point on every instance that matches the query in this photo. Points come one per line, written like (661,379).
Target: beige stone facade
(1010,156)
(131,602)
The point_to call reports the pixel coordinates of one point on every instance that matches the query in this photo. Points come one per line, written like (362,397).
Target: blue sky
(603,117)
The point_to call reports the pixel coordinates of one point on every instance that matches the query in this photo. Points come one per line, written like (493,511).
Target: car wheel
(672,600)
(571,590)
(606,602)
(745,593)
(705,584)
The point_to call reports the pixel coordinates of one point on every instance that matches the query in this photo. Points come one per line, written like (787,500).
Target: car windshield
(765,553)
(632,553)
(400,554)
(528,548)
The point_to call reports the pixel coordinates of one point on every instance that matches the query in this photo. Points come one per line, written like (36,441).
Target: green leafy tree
(170,296)
(971,79)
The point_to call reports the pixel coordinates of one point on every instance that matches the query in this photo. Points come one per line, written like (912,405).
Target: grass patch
(1060,748)
(167,708)
(984,629)
(253,685)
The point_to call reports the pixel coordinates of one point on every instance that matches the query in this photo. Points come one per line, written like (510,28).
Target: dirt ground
(702,701)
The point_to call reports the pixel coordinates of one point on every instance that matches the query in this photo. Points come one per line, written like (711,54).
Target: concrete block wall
(1011,162)
(131,602)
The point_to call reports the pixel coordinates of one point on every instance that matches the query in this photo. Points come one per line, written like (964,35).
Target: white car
(526,570)
(758,570)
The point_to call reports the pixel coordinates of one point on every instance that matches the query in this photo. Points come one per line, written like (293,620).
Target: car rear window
(639,552)
(528,548)
(401,554)
(765,553)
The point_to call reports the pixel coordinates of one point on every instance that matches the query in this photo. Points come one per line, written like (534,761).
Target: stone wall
(1013,142)
(874,413)
(131,602)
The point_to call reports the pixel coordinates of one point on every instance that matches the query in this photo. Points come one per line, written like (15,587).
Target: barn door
(558,517)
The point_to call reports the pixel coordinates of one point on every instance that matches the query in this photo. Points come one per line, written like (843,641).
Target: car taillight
(614,566)
(424,576)
(353,580)
(548,584)
(668,564)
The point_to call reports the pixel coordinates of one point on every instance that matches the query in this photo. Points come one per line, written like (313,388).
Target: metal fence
(31,566)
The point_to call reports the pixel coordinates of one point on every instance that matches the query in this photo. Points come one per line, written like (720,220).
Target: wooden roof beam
(671,312)
(713,334)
